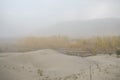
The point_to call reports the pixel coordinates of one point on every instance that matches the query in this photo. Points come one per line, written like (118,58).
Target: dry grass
(94,45)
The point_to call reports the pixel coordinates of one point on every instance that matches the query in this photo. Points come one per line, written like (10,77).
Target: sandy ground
(52,65)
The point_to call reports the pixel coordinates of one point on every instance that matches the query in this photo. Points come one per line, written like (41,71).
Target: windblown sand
(52,65)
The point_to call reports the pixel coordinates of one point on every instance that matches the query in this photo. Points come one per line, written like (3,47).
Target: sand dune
(52,65)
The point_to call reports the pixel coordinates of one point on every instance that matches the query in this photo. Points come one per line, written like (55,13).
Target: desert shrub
(110,53)
(40,72)
(118,52)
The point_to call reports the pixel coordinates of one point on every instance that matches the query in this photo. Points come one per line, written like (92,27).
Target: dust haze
(59,40)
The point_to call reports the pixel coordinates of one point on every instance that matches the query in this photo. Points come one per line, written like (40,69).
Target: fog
(74,18)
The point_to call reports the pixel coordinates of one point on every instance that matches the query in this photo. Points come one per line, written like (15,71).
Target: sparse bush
(110,53)
(40,72)
(118,52)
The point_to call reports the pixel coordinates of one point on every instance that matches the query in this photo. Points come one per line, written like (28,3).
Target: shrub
(40,72)
(118,52)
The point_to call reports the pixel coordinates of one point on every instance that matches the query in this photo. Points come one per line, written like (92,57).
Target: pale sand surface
(51,65)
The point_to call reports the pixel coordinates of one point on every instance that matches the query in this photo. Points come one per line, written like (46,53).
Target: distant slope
(89,27)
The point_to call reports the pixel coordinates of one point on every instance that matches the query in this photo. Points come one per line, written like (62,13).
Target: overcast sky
(27,17)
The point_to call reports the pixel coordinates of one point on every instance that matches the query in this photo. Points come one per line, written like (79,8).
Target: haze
(19,18)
